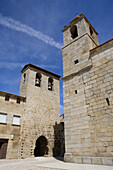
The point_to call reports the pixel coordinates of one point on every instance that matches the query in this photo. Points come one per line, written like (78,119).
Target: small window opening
(107,100)
(75,91)
(16,120)
(38,80)
(76,61)
(24,77)
(50,84)
(18,100)
(74,32)
(91,31)
(3,118)
(7,98)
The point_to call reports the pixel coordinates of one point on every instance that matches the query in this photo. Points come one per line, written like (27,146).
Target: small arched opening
(50,83)
(38,79)
(74,32)
(41,147)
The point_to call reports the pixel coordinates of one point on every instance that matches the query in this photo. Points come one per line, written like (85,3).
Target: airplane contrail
(18,26)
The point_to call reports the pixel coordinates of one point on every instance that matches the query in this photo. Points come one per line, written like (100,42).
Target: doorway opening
(41,148)
(3,148)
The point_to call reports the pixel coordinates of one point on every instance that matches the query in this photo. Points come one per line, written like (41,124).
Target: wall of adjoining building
(8,130)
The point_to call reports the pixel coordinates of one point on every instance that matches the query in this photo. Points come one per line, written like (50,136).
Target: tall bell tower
(79,38)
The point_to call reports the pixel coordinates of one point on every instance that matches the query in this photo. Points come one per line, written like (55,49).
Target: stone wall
(99,96)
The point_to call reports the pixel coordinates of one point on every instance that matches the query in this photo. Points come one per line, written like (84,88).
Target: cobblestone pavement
(47,163)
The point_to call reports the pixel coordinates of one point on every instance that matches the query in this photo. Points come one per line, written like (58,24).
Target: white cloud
(18,26)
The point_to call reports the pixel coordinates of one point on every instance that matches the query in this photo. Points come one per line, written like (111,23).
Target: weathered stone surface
(78,160)
(87,160)
(107,161)
(97,160)
(68,157)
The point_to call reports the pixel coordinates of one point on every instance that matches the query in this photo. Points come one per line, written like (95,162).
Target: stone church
(30,123)
(88,94)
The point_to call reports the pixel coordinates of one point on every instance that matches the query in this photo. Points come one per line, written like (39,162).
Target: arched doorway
(41,148)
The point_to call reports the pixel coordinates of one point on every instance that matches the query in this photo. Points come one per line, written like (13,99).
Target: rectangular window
(3,118)
(16,120)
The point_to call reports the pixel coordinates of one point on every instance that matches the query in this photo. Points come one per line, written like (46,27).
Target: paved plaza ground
(47,163)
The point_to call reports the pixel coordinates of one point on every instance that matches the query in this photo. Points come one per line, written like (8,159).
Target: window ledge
(15,125)
(3,123)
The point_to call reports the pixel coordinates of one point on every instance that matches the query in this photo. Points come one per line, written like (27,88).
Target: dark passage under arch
(41,148)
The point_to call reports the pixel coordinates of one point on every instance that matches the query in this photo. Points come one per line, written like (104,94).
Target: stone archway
(41,148)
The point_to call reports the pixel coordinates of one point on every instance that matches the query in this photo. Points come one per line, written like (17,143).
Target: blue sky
(30,32)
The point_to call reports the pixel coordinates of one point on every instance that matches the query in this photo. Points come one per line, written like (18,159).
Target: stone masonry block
(78,160)
(68,157)
(87,160)
(107,161)
(97,161)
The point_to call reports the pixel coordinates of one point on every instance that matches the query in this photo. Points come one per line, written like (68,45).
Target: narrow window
(50,83)
(3,118)
(74,32)
(7,98)
(76,61)
(75,91)
(24,77)
(16,120)
(91,31)
(107,100)
(38,80)
(18,100)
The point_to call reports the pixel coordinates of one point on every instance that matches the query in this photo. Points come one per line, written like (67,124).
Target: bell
(49,87)
(37,82)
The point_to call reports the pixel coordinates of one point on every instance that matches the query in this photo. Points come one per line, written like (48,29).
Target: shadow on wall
(59,141)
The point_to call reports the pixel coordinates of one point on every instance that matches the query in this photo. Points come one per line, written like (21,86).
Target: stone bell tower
(41,112)
(79,38)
